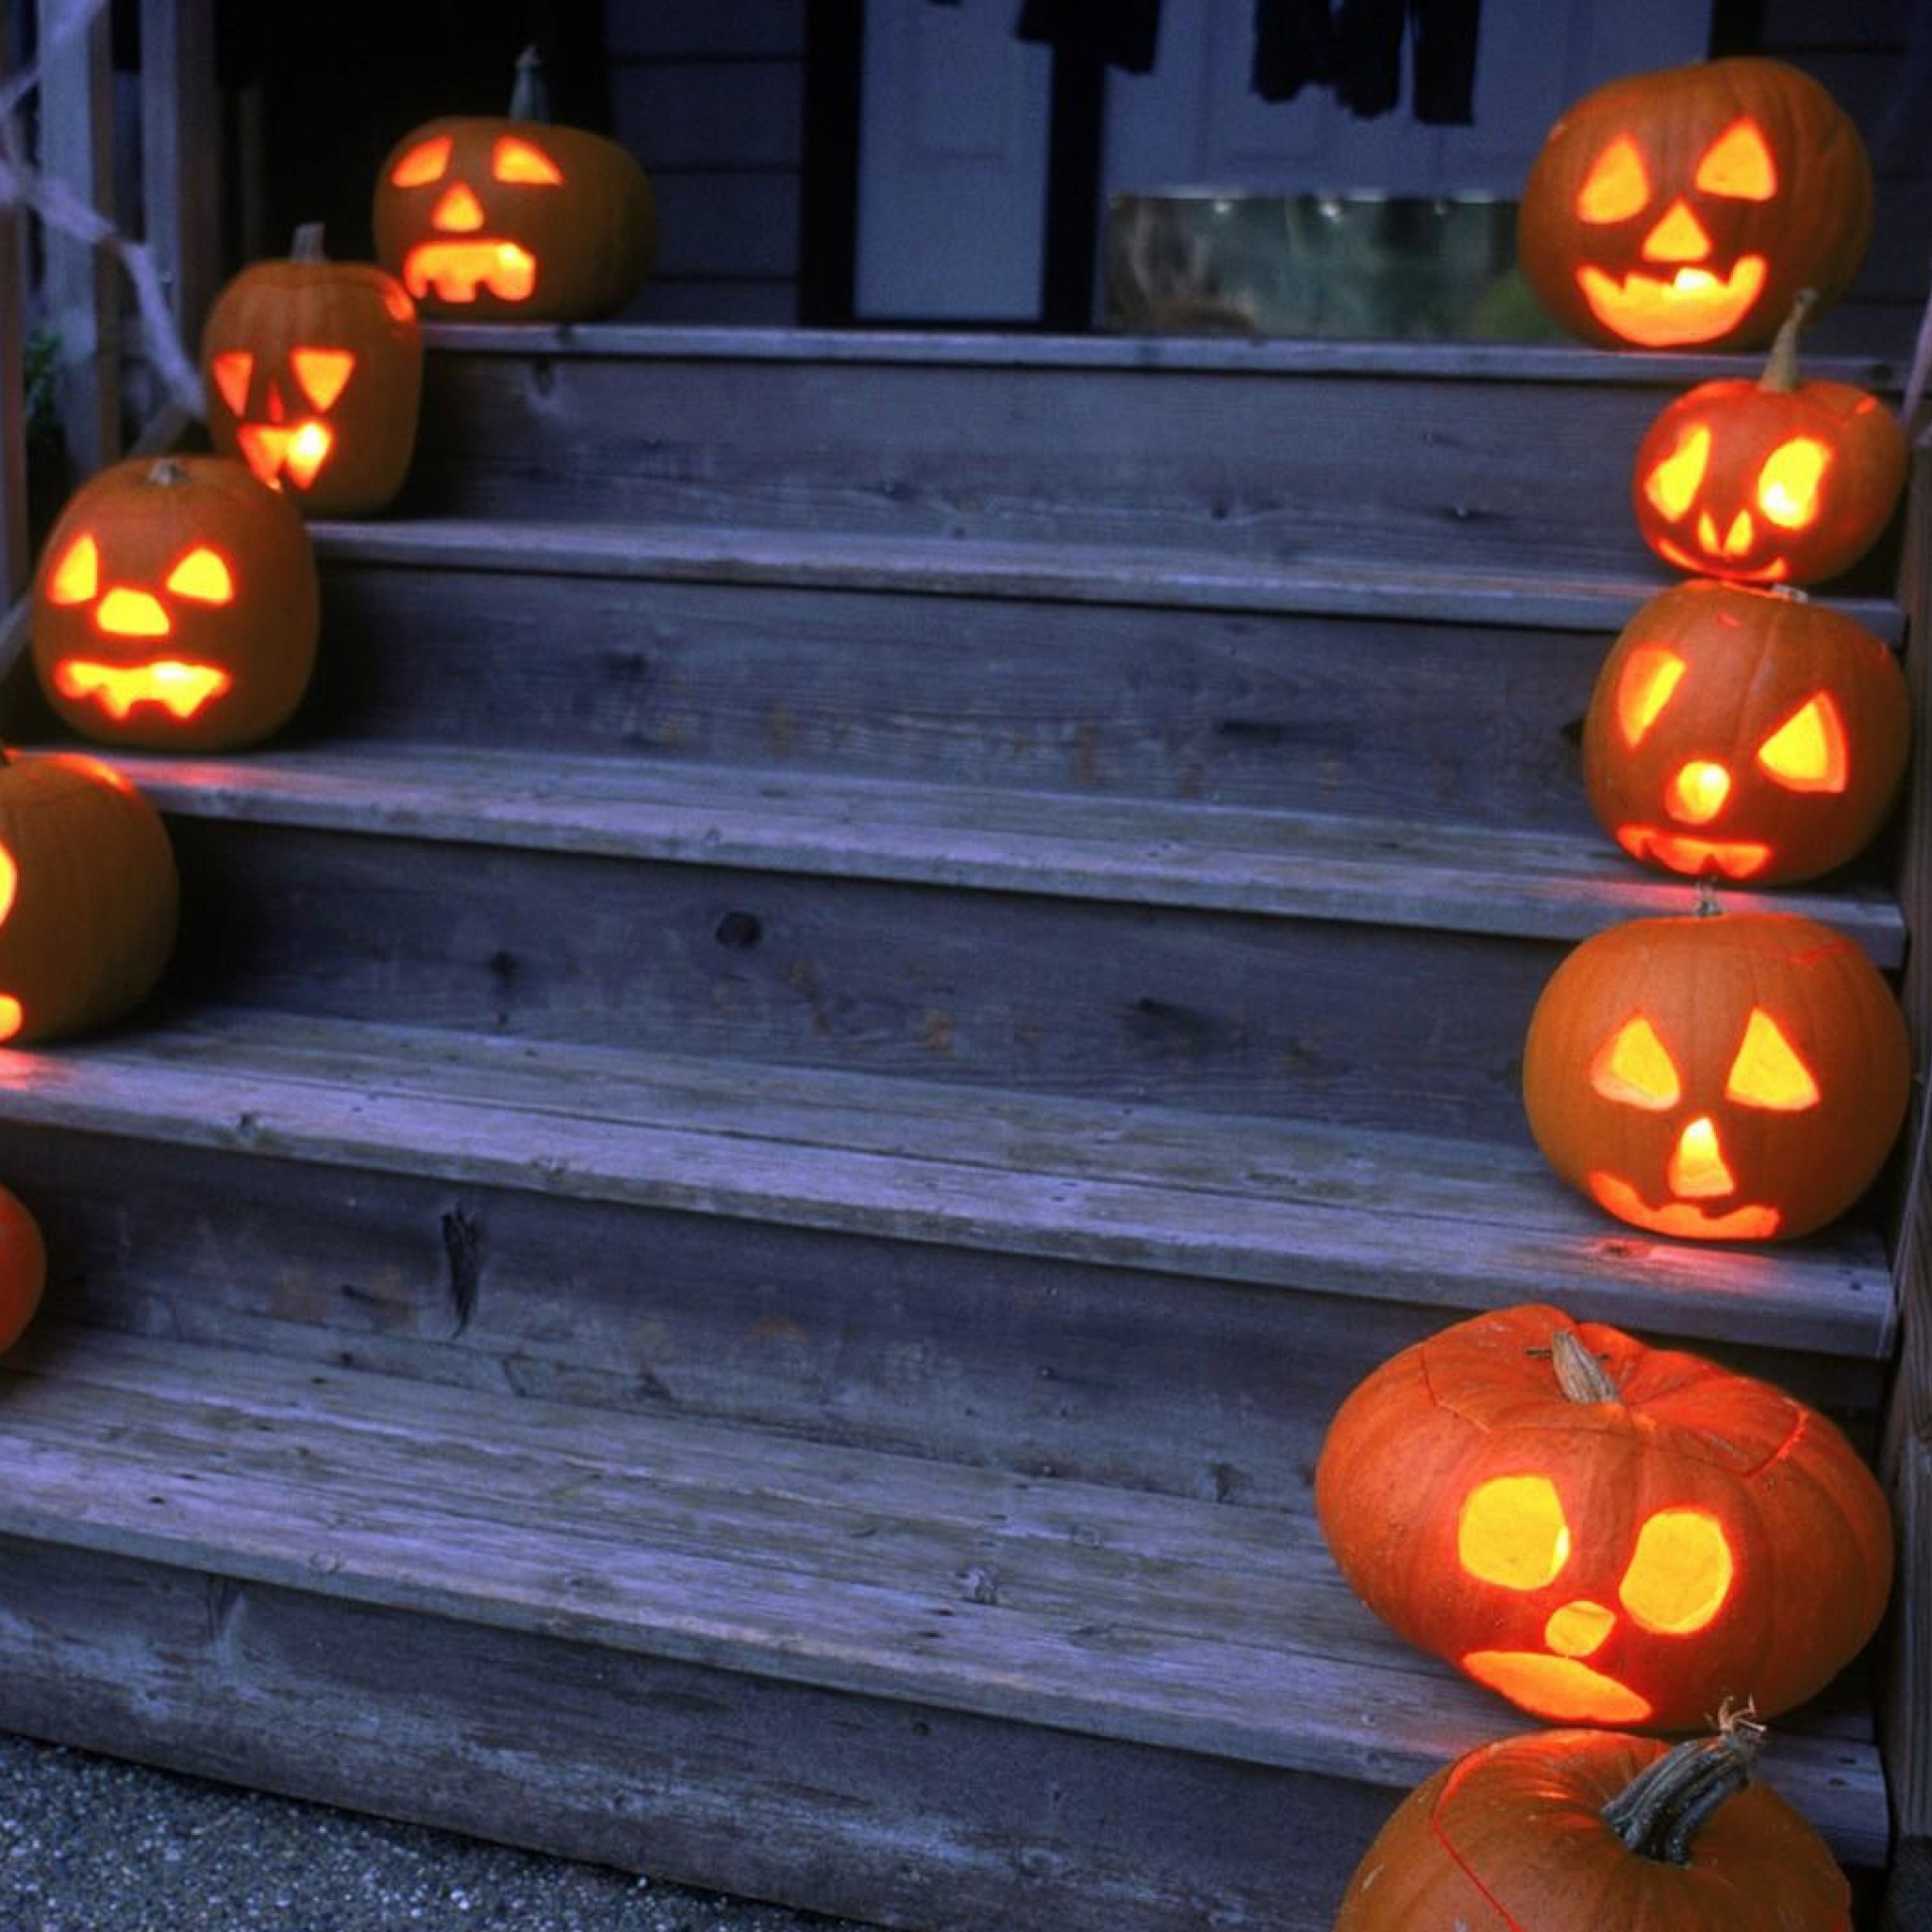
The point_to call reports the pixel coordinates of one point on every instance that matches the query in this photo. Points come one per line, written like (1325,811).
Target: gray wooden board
(1395,871)
(1396,1217)
(1408,460)
(1144,1619)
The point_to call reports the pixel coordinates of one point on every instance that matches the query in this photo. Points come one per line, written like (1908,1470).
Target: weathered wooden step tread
(1177,1625)
(1388,872)
(1292,582)
(1286,1205)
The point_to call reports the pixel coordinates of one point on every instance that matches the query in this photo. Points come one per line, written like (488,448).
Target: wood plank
(1281,865)
(246,1469)
(1271,1203)
(684,115)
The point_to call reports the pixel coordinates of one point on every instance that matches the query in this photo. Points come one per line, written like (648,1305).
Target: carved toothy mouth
(1556,1687)
(1735,859)
(1693,305)
(179,687)
(455,271)
(1684,1220)
(1717,555)
(279,451)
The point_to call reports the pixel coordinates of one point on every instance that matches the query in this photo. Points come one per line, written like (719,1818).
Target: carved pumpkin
(176,606)
(1745,734)
(22,1267)
(514,220)
(1770,482)
(88,896)
(1740,1077)
(313,376)
(1688,208)
(1587,1831)
(1601,1531)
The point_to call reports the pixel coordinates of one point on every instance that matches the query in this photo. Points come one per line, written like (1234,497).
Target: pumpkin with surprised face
(1604,1532)
(1686,209)
(1740,1076)
(514,220)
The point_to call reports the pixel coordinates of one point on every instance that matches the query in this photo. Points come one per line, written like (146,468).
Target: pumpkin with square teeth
(514,220)
(176,606)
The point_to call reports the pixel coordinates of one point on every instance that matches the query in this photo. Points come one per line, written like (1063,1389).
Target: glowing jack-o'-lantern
(1585,1831)
(88,896)
(1688,208)
(313,376)
(1740,1077)
(1601,1531)
(22,1267)
(514,220)
(1770,482)
(176,606)
(1743,734)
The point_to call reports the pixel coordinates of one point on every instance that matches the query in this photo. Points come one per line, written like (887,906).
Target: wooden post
(82,278)
(16,560)
(180,141)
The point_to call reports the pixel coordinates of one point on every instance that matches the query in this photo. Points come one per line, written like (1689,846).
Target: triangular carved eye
(204,577)
(1739,165)
(1806,753)
(1680,1575)
(427,161)
(1768,1071)
(1635,1069)
(1650,675)
(1617,186)
(1671,487)
(324,374)
(518,160)
(1512,1532)
(1788,484)
(76,577)
(232,370)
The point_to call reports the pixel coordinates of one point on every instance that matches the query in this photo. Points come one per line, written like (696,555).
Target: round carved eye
(1739,165)
(1672,485)
(1617,186)
(1635,1069)
(1680,1575)
(1788,484)
(1512,1532)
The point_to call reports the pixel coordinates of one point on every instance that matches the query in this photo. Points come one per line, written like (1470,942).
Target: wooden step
(1447,694)
(1405,453)
(880,1686)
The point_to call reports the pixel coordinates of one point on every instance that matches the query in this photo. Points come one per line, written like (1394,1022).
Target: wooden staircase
(879,969)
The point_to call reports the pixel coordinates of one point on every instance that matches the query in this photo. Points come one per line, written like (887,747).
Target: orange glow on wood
(181,689)
(1617,186)
(76,576)
(518,160)
(1768,1072)
(1739,165)
(1787,485)
(1559,1688)
(1697,1170)
(324,374)
(1681,1574)
(204,575)
(427,161)
(1671,487)
(1634,1068)
(454,270)
(1808,752)
(1650,675)
(1697,791)
(1512,1532)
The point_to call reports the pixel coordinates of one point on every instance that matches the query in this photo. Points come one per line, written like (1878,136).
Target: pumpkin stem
(168,472)
(1583,1377)
(529,99)
(306,246)
(1660,1811)
(1706,906)
(1781,366)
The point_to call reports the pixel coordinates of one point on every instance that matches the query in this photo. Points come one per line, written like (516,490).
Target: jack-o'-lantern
(1743,734)
(313,372)
(89,895)
(1770,482)
(176,606)
(1737,1076)
(1686,207)
(22,1267)
(514,220)
(1586,1831)
(1601,1531)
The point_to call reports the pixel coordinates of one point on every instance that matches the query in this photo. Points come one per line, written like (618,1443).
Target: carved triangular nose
(1679,237)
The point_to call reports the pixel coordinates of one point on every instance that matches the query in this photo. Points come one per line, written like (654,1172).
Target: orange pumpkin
(176,606)
(1745,734)
(1601,1531)
(1775,481)
(313,372)
(1688,208)
(22,1267)
(514,220)
(1590,1831)
(1740,1077)
(88,896)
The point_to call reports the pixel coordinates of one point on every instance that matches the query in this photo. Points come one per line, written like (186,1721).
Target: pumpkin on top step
(1601,1531)
(516,220)
(1591,1831)
(1685,209)
(176,606)
(312,373)
(22,1267)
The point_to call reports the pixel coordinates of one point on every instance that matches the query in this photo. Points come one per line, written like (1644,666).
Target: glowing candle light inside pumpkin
(12,1017)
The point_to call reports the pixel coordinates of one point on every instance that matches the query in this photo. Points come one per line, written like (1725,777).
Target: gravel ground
(90,1845)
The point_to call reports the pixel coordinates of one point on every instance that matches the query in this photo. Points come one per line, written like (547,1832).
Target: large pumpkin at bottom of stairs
(1590,1831)
(22,1267)
(88,896)
(1740,1077)
(1604,1532)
